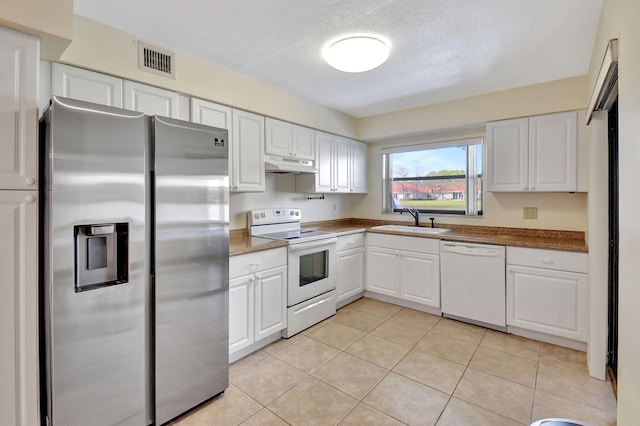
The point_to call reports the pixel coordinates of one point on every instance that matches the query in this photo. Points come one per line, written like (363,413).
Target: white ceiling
(440,49)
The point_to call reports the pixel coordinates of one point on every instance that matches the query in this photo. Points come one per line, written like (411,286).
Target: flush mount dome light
(356,54)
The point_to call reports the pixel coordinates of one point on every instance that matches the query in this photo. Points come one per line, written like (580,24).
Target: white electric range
(311,265)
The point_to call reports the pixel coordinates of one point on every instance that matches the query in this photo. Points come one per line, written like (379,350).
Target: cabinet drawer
(548,259)
(350,241)
(251,263)
(418,244)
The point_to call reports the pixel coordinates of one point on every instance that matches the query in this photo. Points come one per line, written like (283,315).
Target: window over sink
(440,177)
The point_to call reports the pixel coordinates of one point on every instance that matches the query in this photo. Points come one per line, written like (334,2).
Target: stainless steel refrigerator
(134,277)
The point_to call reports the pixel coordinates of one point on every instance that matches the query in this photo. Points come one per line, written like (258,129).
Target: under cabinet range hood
(275,164)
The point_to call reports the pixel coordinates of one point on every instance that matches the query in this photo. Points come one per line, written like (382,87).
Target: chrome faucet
(413,212)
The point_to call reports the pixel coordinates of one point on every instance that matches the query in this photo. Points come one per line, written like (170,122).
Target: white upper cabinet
(278,138)
(553,151)
(210,114)
(323,180)
(341,166)
(289,140)
(90,86)
(358,167)
(150,100)
(85,85)
(304,143)
(533,154)
(508,155)
(18,110)
(246,148)
(247,152)
(335,164)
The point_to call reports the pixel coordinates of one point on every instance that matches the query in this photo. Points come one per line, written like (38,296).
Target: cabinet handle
(546,260)
(510,270)
(258,277)
(30,181)
(533,188)
(251,279)
(30,199)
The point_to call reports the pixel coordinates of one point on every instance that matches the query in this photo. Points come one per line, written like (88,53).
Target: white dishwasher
(472,281)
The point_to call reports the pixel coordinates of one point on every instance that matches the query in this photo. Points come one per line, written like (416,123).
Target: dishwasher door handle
(470,250)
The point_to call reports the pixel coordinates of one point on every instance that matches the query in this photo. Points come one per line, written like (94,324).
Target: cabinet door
(324,159)
(358,167)
(18,308)
(150,100)
(210,114)
(85,85)
(507,155)
(278,138)
(341,158)
(383,270)
(241,307)
(18,110)
(350,273)
(271,302)
(420,278)
(552,302)
(553,149)
(304,146)
(247,152)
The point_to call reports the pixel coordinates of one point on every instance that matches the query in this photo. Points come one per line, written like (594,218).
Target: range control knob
(256,215)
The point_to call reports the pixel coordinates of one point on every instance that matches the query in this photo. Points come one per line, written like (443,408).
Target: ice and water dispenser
(101,255)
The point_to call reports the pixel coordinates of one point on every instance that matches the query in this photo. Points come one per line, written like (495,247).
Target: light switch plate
(530,212)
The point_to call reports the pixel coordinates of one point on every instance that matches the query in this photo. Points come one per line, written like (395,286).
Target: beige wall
(110,51)
(560,95)
(281,193)
(105,49)
(465,118)
(619,20)
(51,20)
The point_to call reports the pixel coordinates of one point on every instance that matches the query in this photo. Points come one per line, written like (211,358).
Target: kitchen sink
(411,229)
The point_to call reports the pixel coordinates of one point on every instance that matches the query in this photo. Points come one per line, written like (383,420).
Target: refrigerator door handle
(99,229)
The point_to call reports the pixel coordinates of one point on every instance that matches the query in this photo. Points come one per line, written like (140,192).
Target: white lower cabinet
(547,292)
(257,296)
(241,312)
(350,253)
(19,308)
(420,278)
(407,268)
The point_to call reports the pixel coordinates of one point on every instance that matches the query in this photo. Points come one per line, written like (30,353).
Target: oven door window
(314,267)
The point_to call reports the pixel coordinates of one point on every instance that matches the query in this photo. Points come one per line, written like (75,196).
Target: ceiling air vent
(156,60)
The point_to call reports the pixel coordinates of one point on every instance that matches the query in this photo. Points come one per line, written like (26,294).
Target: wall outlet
(530,212)
(335,207)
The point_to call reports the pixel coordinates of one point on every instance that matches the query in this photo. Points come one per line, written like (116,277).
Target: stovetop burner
(282,224)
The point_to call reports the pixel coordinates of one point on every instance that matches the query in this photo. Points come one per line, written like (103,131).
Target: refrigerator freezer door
(94,161)
(191,265)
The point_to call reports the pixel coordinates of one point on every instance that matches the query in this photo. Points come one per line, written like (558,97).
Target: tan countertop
(240,243)
(517,237)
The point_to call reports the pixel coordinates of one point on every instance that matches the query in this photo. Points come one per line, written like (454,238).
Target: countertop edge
(245,244)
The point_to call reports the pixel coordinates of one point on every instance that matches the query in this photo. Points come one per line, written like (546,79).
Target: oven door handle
(313,244)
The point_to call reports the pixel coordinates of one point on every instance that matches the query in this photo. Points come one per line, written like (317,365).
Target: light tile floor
(376,363)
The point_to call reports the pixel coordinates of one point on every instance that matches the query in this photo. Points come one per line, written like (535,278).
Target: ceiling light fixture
(356,54)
